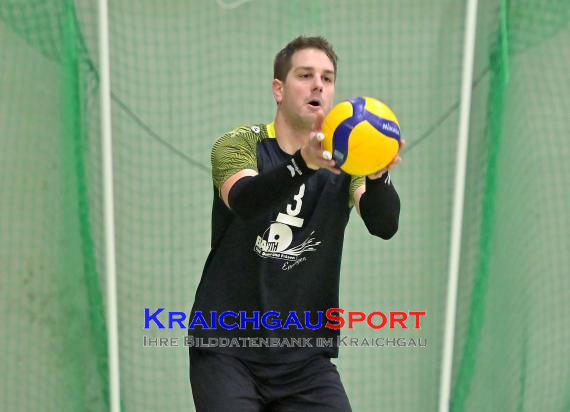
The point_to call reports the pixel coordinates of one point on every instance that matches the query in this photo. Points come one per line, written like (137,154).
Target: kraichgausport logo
(334,317)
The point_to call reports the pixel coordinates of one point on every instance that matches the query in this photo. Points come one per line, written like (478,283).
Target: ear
(277,86)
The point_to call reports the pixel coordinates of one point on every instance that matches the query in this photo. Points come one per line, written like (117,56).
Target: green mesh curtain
(182,73)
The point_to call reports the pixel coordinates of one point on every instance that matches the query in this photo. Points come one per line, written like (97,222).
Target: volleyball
(363,135)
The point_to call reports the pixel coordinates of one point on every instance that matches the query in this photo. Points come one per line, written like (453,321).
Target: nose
(318,84)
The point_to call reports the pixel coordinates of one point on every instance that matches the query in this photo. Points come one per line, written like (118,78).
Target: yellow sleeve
(232,152)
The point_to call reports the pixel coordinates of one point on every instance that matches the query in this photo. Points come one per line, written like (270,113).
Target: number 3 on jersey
(280,232)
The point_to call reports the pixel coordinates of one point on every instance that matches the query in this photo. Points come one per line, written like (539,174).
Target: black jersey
(284,260)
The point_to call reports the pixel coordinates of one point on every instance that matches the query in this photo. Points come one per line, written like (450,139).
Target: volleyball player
(279,214)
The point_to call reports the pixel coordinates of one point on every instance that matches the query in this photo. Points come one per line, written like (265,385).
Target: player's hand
(313,154)
(393,163)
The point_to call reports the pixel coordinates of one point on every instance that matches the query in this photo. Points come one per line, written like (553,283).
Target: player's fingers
(316,139)
(331,165)
(395,162)
(402,143)
(325,160)
(320,157)
(319,119)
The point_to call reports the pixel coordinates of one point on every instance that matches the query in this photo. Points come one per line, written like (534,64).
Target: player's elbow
(387,233)
(384,230)
(380,212)
(382,222)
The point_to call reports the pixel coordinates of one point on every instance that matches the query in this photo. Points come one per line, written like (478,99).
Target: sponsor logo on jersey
(276,242)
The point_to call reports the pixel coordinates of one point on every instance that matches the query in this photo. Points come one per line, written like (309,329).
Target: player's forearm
(380,207)
(253,195)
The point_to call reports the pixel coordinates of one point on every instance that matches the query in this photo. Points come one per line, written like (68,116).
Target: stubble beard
(303,122)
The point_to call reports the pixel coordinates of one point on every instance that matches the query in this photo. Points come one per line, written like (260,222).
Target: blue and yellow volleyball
(363,135)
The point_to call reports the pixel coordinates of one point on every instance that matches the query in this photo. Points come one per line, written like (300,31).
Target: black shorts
(225,383)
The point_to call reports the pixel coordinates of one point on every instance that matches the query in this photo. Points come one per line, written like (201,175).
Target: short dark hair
(282,62)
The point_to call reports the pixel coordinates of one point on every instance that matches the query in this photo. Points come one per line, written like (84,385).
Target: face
(307,89)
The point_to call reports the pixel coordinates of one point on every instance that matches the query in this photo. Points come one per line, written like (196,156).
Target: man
(279,214)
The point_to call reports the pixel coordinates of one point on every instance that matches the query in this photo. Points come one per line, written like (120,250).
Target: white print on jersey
(291,170)
(275,242)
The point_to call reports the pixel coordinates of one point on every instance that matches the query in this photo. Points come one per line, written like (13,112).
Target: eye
(304,75)
(328,79)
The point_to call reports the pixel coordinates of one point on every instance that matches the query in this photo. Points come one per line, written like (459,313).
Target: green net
(54,353)
(183,73)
